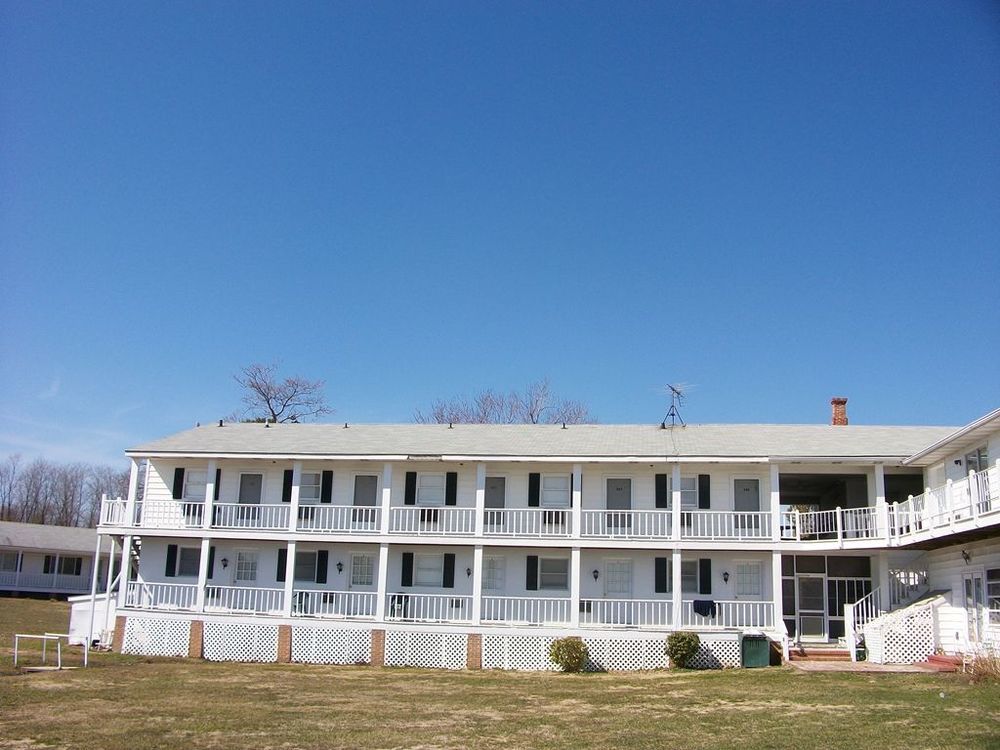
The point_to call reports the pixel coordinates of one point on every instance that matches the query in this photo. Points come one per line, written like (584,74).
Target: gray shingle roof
(43,537)
(597,441)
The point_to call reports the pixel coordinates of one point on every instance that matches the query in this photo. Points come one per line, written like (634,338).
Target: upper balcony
(957,506)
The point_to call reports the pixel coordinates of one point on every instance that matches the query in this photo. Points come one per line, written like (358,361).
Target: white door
(619,499)
(811,603)
(975,604)
(618,585)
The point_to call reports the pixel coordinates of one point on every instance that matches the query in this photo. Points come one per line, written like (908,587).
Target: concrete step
(819,654)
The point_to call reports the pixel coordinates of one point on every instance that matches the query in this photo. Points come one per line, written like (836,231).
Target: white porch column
(383,581)
(289,578)
(206,545)
(574,587)
(209,497)
(480,497)
(775,503)
(293,511)
(675,501)
(93,599)
(133,489)
(126,564)
(576,501)
(885,593)
(477,583)
(776,593)
(675,588)
(881,508)
(386,504)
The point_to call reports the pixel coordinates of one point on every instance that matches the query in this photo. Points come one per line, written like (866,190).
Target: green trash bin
(755,651)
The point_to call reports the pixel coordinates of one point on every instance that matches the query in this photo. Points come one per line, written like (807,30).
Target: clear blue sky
(776,202)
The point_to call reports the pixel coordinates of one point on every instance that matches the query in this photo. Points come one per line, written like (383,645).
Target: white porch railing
(729,614)
(338,518)
(626,524)
(525,610)
(244,599)
(725,524)
(250,516)
(425,521)
(140,595)
(907,583)
(340,604)
(170,514)
(857,615)
(626,612)
(527,522)
(114,512)
(428,607)
(961,503)
(53,581)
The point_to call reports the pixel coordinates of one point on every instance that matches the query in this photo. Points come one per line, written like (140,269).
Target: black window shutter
(572,481)
(448,579)
(704,576)
(178,483)
(410,495)
(660,576)
(451,488)
(531,573)
(322,564)
(279,574)
(406,575)
(704,492)
(78,568)
(326,487)
(534,490)
(286,486)
(211,562)
(49,564)
(218,483)
(171,569)
(662,496)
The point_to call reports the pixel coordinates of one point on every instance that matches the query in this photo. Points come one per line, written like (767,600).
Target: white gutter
(962,432)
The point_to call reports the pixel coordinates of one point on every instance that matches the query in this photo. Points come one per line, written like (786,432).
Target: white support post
(930,509)
(974,497)
(675,502)
(126,564)
(386,504)
(55,571)
(289,578)
(93,600)
(675,588)
(881,507)
(885,594)
(133,488)
(293,511)
(206,546)
(574,587)
(839,515)
(383,581)
(480,497)
(949,501)
(577,503)
(108,609)
(20,564)
(775,503)
(776,591)
(477,584)
(209,496)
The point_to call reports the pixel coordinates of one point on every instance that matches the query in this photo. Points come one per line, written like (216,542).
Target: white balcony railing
(711,525)
(728,614)
(970,501)
(428,607)
(247,516)
(338,519)
(244,599)
(182,596)
(527,522)
(626,524)
(525,610)
(626,612)
(49,581)
(170,514)
(424,521)
(114,512)
(830,525)
(338,604)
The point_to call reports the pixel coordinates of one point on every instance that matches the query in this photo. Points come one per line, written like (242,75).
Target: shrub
(569,653)
(985,668)
(681,647)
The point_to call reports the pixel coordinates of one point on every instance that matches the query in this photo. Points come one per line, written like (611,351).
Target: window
(362,570)
(689,492)
(428,570)
(188,561)
(70,566)
(993,595)
(555,491)
(309,486)
(977,460)
(553,573)
(246,566)
(194,485)
(8,562)
(430,489)
(366,490)
(305,566)
(494,574)
(749,578)
(689,576)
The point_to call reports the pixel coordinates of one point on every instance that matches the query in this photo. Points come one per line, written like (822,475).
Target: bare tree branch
(265,397)
(534,405)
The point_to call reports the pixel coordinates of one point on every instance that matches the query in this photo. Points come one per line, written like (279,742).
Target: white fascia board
(270,456)
(982,422)
(611,459)
(889,460)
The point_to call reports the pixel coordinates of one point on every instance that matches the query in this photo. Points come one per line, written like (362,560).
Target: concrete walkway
(857,666)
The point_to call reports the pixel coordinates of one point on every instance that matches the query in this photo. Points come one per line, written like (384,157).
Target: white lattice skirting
(156,637)
(717,652)
(434,650)
(331,646)
(224,641)
(901,638)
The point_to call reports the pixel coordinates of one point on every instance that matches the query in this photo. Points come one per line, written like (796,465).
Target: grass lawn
(129,702)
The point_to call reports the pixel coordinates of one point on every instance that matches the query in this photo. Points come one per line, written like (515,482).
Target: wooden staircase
(818,652)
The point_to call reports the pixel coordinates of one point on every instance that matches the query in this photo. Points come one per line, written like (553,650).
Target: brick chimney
(839,416)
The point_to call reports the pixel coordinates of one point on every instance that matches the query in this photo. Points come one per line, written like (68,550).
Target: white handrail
(360,519)
(339,604)
(725,524)
(250,516)
(428,607)
(525,610)
(730,614)
(626,612)
(141,595)
(626,524)
(432,521)
(244,599)
(528,522)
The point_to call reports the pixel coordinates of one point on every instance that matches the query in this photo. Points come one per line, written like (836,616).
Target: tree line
(60,494)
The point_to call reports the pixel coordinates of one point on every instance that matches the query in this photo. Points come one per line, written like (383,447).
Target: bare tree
(103,480)
(534,405)
(67,493)
(10,480)
(266,397)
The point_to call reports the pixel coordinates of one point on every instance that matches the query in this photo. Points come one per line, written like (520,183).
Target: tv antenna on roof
(673,413)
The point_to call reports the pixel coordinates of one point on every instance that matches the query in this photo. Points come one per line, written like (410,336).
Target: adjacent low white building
(476,545)
(37,559)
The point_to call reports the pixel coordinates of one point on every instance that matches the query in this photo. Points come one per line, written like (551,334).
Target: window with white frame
(993,595)
(494,574)
(305,566)
(246,565)
(749,578)
(188,561)
(553,573)
(8,562)
(428,570)
(689,492)
(309,486)
(555,491)
(689,576)
(362,570)
(194,485)
(977,460)
(430,489)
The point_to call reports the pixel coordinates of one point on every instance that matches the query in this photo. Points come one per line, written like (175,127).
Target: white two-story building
(477,545)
